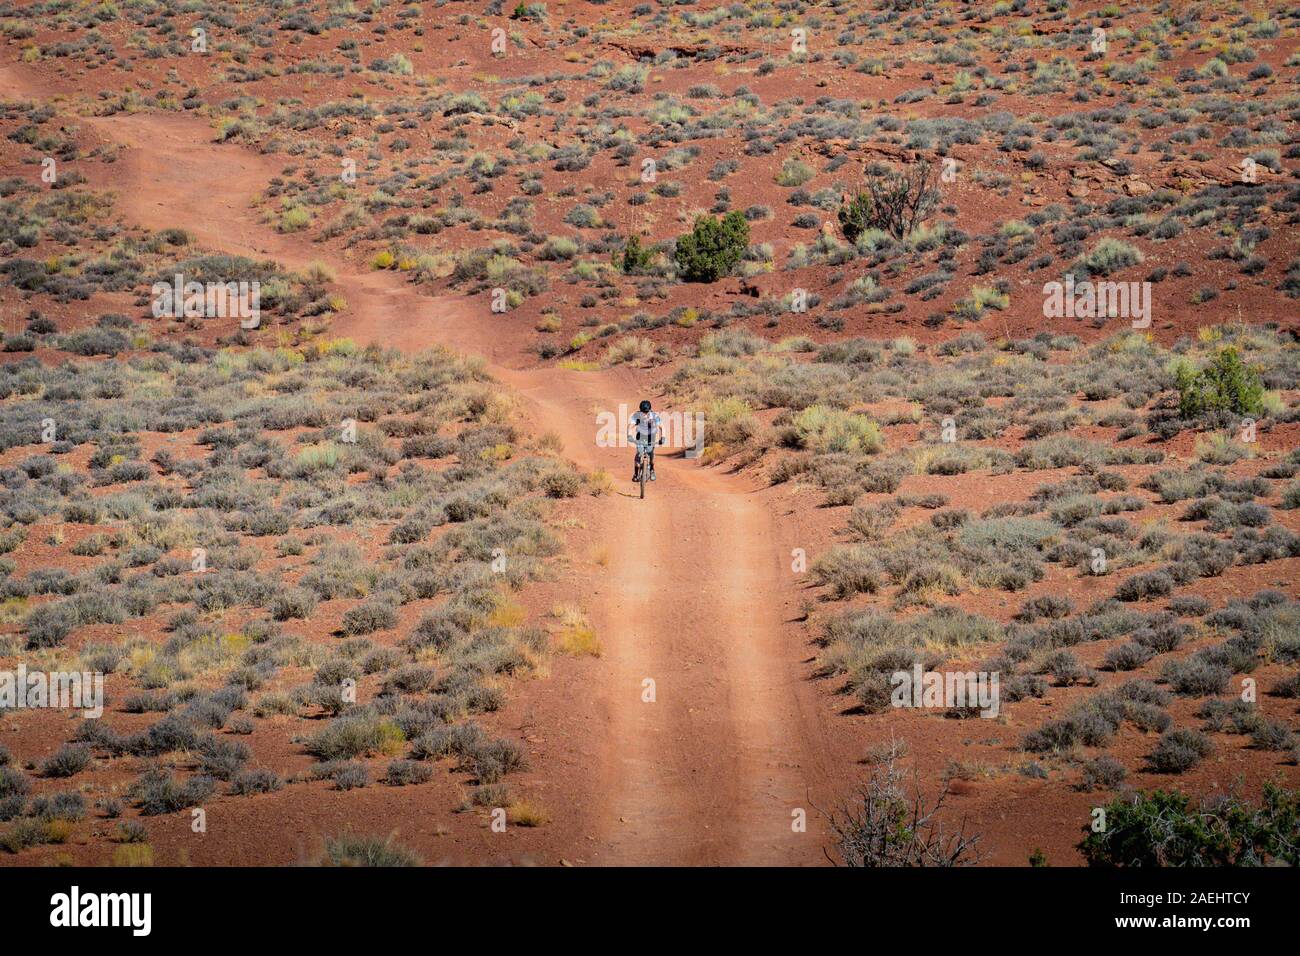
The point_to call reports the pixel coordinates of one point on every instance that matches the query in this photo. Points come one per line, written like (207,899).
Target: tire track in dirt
(710,772)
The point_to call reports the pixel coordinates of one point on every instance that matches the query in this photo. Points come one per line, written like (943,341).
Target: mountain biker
(647,428)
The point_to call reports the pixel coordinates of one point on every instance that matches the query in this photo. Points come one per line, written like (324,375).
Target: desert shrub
(713,247)
(562,483)
(1126,657)
(1023,686)
(895,202)
(1196,677)
(241,725)
(1189,605)
(67,760)
(128,831)
(885,476)
(27,833)
(491,761)
(1144,586)
(397,63)
(1108,256)
(400,773)
(1219,449)
(925,581)
(1147,718)
(49,624)
(1272,735)
(1050,606)
(256,781)
(870,524)
(885,827)
(558,248)
(67,805)
(1165,829)
(1226,384)
(221,758)
(848,571)
(14,787)
(353,850)
(1063,667)
(350,776)
(349,737)
(1092,723)
(951,518)
(292,603)
(794,172)
(95,341)
(1007,535)
(1291,497)
(157,791)
(1074,509)
(629,79)
(1179,750)
(823,429)
(635,258)
(1233,715)
(411,679)
(369,616)
(1104,773)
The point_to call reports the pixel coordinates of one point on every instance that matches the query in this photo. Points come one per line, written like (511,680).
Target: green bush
(794,172)
(856,216)
(713,247)
(1162,829)
(894,201)
(824,429)
(354,850)
(848,571)
(350,737)
(1227,384)
(635,257)
(1108,256)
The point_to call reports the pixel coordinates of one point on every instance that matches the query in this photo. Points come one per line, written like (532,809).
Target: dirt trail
(711,771)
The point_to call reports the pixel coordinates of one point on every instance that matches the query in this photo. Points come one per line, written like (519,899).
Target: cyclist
(646,428)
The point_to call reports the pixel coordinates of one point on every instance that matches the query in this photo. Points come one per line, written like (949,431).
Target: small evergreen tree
(713,247)
(1227,384)
(635,257)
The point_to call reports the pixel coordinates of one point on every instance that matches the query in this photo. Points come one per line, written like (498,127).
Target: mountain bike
(641,467)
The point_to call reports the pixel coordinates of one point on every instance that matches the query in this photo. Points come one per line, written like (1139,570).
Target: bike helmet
(645,405)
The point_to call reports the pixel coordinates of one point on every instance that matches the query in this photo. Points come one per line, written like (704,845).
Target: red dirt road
(690,597)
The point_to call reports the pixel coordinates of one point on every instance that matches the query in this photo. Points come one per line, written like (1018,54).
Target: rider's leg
(636,467)
(652,463)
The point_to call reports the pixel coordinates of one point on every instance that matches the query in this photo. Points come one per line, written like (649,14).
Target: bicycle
(641,466)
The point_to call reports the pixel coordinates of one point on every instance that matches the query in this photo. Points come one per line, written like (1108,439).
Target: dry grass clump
(575,635)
